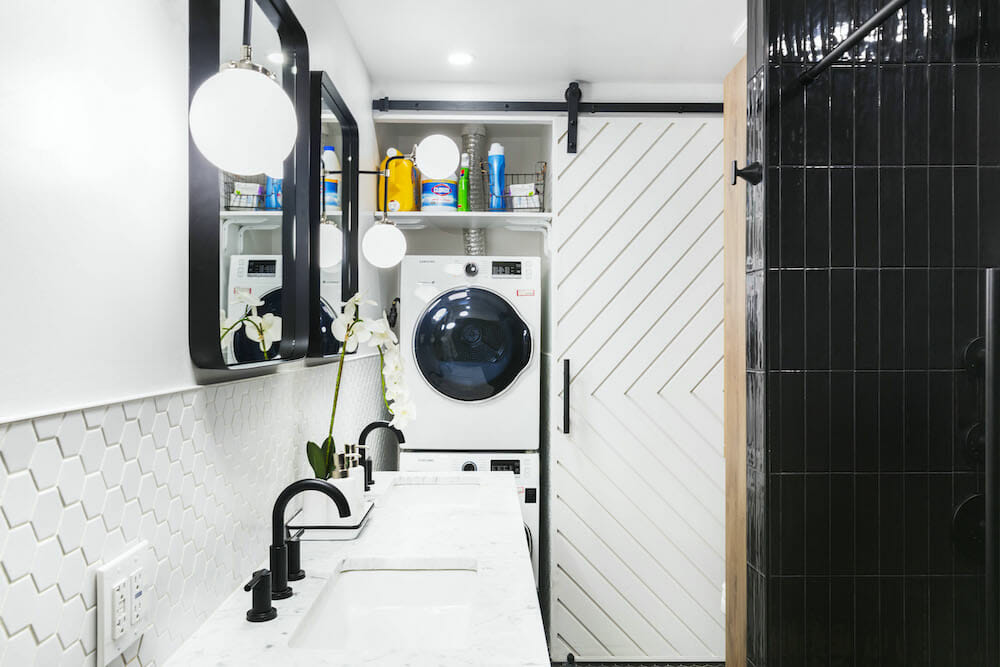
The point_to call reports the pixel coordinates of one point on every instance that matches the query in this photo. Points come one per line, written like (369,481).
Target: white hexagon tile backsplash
(194,473)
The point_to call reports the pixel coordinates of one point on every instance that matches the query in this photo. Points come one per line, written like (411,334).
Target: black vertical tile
(989,32)
(841,217)
(817,117)
(868,49)
(940,423)
(792,117)
(915,318)
(817,218)
(792,649)
(866,116)
(890,126)
(792,320)
(817,524)
(891,415)
(940,229)
(792,218)
(966,14)
(841,115)
(773,115)
(989,211)
(969,628)
(890,217)
(892,520)
(915,226)
(817,320)
(817,622)
(940,319)
(941,622)
(817,424)
(841,319)
(842,622)
(892,48)
(866,319)
(939,519)
(989,103)
(866,443)
(892,612)
(966,317)
(917,596)
(793,525)
(967,414)
(842,422)
(940,43)
(915,114)
(966,221)
(772,314)
(891,340)
(841,524)
(772,217)
(940,92)
(792,444)
(866,222)
(915,426)
(866,524)
(966,114)
(915,30)
(866,621)
(916,528)
(793,32)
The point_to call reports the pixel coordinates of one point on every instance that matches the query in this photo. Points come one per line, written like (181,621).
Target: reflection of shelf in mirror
(527,220)
(251,217)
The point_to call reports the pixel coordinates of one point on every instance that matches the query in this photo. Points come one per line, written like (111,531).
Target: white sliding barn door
(637,496)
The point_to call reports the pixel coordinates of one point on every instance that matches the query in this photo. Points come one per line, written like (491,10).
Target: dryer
(259,276)
(470,330)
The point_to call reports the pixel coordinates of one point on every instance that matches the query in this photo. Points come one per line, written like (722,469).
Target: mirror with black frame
(333,275)
(245,242)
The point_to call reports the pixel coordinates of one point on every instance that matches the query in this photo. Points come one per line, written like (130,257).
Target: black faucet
(279,550)
(363,438)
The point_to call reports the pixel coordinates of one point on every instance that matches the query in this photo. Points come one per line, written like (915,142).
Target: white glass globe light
(437,156)
(331,246)
(384,245)
(242,121)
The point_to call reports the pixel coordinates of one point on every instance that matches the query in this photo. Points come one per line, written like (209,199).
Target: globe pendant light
(384,245)
(241,119)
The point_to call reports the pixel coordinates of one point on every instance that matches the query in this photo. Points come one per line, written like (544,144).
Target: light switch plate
(124,594)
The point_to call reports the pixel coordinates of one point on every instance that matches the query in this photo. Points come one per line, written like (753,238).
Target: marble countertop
(506,623)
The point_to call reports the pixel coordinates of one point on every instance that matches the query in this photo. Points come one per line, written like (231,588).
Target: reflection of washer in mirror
(257,276)
(329,303)
(471,344)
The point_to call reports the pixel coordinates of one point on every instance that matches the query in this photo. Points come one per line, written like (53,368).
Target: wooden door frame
(734,149)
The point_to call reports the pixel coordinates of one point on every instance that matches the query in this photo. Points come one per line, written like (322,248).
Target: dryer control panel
(507,269)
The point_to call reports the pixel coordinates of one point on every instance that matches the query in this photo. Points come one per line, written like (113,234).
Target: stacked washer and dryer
(470,330)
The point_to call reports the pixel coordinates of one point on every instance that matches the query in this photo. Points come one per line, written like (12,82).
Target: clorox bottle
(401,182)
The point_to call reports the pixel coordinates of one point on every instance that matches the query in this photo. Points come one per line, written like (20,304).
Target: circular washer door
(470,344)
(246,350)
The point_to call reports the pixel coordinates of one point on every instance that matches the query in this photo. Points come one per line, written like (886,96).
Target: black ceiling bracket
(573,95)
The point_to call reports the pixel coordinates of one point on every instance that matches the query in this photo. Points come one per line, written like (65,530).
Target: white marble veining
(482,537)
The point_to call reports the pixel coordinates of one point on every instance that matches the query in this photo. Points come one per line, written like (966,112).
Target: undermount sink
(405,603)
(452,494)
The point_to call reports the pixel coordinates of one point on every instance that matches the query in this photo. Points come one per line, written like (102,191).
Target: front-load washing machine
(524,467)
(258,276)
(470,330)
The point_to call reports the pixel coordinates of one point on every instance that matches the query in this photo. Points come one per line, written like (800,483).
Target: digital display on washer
(505,465)
(262,267)
(506,268)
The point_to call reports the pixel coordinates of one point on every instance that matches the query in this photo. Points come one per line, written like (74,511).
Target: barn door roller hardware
(573,107)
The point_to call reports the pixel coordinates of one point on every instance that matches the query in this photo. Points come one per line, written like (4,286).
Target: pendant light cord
(247,19)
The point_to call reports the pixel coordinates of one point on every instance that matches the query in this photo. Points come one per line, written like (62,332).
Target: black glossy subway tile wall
(866,244)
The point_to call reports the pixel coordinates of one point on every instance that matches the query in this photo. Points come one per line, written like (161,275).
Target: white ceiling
(524,42)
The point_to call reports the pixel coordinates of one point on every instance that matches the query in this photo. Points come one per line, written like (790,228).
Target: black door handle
(565,395)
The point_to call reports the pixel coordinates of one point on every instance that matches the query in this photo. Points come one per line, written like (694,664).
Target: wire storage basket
(521,192)
(243,193)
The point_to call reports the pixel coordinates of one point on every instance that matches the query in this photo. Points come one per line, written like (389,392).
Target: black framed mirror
(333,212)
(248,233)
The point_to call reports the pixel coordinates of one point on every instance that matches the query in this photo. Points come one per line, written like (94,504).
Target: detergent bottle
(401,183)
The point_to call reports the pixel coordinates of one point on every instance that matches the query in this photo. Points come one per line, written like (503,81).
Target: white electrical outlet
(123,601)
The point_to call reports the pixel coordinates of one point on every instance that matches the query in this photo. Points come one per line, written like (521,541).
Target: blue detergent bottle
(496,167)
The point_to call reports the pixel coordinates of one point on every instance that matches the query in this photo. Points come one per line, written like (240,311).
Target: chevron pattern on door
(637,486)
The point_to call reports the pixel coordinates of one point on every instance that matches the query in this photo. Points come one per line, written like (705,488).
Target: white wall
(93,167)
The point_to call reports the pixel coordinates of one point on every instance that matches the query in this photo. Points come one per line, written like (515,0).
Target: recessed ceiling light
(460,59)
(278,58)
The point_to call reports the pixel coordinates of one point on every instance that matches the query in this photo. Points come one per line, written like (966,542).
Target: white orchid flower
(244,297)
(264,330)
(350,307)
(392,364)
(381,332)
(396,393)
(402,414)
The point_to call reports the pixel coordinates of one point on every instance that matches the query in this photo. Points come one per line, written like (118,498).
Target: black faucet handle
(260,584)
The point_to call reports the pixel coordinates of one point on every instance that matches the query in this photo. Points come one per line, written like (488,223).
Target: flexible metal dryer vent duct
(475,241)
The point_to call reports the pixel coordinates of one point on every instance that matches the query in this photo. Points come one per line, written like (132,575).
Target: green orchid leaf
(330,451)
(317,460)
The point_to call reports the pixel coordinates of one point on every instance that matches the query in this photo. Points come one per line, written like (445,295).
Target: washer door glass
(470,344)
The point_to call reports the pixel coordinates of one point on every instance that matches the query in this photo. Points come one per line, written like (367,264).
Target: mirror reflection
(331,228)
(251,218)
